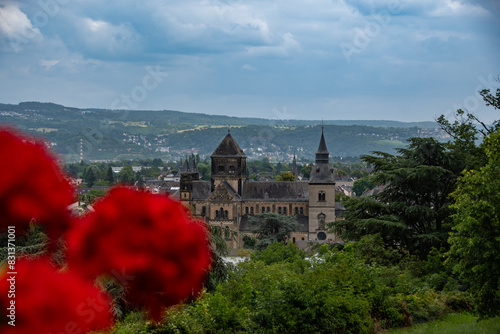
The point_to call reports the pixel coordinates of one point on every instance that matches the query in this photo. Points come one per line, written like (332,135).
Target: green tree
(110,175)
(361,185)
(126,175)
(475,239)
(285,176)
(412,213)
(306,171)
(90,176)
(272,227)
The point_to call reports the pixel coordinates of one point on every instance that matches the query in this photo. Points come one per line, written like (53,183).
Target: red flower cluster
(148,242)
(32,186)
(48,301)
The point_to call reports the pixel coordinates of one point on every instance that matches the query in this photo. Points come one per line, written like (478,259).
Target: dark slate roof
(321,173)
(248,226)
(231,190)
(228,148)
(322,145)
(284,190)
(201,189)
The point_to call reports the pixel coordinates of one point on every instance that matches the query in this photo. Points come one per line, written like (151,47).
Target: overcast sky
(407,60)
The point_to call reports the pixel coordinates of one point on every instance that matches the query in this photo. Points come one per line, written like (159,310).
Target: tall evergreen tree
(412,211)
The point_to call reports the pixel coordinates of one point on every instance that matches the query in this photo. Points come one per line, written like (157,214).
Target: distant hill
(168,134)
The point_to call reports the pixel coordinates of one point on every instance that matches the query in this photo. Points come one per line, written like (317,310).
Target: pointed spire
(193,165)
(185,168)
(322,144)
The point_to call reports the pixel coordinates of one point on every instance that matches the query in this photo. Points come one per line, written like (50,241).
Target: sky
(405,60)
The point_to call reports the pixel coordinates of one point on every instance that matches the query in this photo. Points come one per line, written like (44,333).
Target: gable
(223,193)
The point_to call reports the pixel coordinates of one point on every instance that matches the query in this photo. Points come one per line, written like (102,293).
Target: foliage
(285,176)
(475,240)
(335,291)
(412,213)
(126,175)
(272,227)
(278,252)
(361,185)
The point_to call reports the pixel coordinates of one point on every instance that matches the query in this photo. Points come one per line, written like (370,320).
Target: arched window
(226,214)
(284,210)
(279,210)
(216,213)
(221,168)
(203,210)
(302,211)
(246,210)
(268,209)
(232,169)
(251,210)
(263,209)
(321,196)
(296,210)
(221,215)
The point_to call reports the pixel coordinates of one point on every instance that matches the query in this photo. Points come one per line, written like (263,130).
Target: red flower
(39,299)
(31,186)
(148,242)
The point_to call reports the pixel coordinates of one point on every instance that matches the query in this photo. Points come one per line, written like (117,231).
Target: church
(228,199)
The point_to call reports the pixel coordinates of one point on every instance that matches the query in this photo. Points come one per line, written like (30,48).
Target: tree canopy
(412,212)
(273,227)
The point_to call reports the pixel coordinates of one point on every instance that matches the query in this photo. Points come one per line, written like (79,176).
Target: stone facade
(228,199)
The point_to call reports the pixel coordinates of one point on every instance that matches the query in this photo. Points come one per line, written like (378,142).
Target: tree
(306,171)
(90,176)
(110,175)
(285,176)
(475,239)
(466,129)
(126,175)
(362,184)
(273,227)
(412,213)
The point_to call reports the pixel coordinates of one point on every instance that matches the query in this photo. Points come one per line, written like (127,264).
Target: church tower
(321,195)
(189,173)
(229,164)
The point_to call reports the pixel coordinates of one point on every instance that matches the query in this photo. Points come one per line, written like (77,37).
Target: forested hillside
(167,134)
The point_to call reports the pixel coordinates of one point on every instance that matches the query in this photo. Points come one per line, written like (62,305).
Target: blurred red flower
(32,186)
(48,301)
(148,242)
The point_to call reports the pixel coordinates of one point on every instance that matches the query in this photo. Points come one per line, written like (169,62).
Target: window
(321,196)
(284,210)
(296,210)
(221,215)
(226,214)
(279,210)
(203,210)
(251,210)
(221,168)
(246,210)
(268,209)
(302,211)
(216,214)
(263,209)
(232,169)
